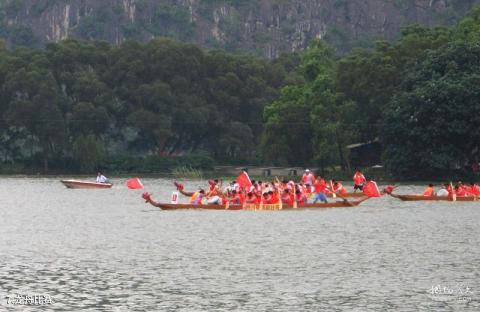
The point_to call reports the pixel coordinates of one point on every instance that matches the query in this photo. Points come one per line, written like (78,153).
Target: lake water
(106,250)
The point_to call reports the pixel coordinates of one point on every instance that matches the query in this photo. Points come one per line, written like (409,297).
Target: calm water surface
(106,250)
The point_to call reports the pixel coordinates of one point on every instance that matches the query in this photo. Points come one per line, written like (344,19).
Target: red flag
(179,186)
(134,184)
(244,180)
(371,189)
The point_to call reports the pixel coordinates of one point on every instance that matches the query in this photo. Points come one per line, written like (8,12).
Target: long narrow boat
(434,198)
(79,184)
(337,204)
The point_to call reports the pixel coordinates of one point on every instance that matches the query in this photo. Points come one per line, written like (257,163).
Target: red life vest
(471,191)
(300,199)
(475,189)
(320,185)
(287,199)
(428,191)
(359,179)
(275,198)
(339,189)
(461,192)
(251,200)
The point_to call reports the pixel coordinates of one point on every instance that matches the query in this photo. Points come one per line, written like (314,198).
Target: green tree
(88,119)
(432,126)
(154,128)
(310,123)
(88,152)
(370,78)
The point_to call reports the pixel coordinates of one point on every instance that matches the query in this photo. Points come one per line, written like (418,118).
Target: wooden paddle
(295,205)
(454,194)
(227,204)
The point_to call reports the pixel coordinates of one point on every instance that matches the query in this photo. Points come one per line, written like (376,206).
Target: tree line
(78,106)
(419,96)
(74,103)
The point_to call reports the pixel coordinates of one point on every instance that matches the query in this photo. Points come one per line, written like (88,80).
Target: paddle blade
(371,189)
(134,184)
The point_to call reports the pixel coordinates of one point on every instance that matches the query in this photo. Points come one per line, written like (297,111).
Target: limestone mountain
(262,27)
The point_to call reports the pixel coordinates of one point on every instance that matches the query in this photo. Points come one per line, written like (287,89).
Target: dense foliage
(419,96)
(78,102)
(83,105)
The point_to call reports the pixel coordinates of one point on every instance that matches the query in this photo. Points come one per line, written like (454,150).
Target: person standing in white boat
(101,178)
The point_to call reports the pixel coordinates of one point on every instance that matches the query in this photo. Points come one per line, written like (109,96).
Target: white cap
(306,170)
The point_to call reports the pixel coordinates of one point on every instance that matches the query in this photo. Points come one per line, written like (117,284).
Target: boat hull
(349,195)
(338,204)
(434,198)
(78,184)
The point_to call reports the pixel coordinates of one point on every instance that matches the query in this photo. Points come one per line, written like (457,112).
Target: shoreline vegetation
(170,107)
(229,173)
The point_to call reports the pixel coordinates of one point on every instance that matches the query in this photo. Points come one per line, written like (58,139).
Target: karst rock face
(264,27)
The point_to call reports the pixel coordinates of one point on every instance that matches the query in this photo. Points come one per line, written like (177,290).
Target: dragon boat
(435,198)
(337,204)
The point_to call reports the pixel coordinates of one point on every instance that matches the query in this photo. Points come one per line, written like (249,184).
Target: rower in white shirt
(101,178)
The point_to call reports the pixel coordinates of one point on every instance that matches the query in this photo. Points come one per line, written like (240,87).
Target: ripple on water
(106,250)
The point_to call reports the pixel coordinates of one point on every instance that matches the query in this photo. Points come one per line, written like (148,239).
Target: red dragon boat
(166,206)
(435,198)
(79,184)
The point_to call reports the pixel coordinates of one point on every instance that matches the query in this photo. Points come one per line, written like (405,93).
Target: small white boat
(78,184)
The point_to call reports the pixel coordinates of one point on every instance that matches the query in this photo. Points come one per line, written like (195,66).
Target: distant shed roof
(355,145)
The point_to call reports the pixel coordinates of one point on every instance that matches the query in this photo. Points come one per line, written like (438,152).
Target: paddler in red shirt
(287,197)
(320,187)
(273,197)
(236,199)
(251,199)
(267,199)
(358,181)
(473,189)
(338,188)
(214,188)
(460,191)
(429,191)
(300,197)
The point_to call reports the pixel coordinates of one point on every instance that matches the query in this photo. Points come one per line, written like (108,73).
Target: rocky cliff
(264,27)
